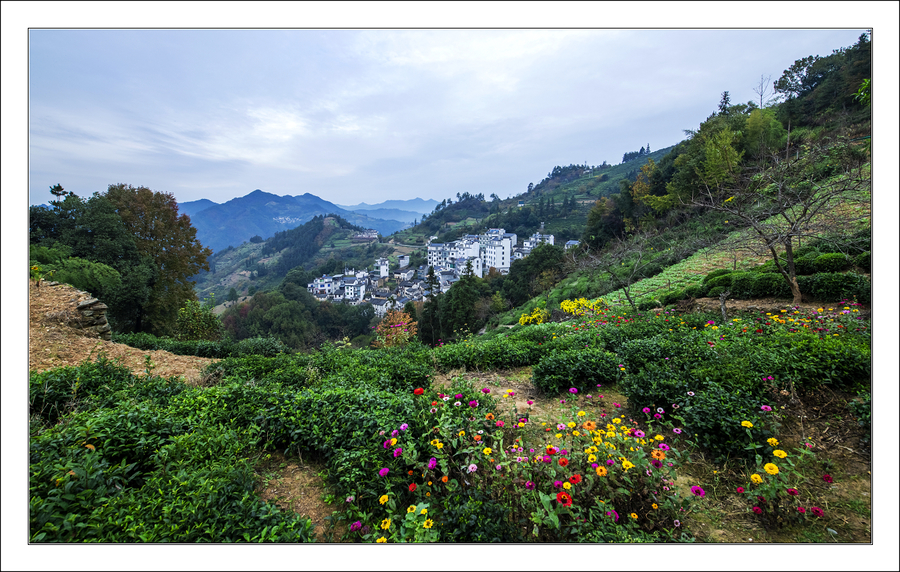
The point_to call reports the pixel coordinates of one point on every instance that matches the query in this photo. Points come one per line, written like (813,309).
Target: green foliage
(476,517)
(582,369)
(863,261)
(832,262)
(196,321)
(861,408)
(94,277)
(715,274)
(835,286)
(259,346)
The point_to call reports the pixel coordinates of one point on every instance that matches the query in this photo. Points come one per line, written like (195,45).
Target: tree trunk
(795,291)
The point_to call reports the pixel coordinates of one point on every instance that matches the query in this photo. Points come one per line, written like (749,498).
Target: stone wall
(89,315)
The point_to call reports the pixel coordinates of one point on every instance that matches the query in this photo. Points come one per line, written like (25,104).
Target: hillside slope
(52,344)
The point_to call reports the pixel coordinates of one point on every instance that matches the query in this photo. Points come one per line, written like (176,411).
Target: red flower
(827,478)
(418,391)
(412,488)
(817,511)
(757,510)
(563,461)
(564,498)
(575,479)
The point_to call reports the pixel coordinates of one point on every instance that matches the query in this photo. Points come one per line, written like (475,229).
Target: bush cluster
(259,346)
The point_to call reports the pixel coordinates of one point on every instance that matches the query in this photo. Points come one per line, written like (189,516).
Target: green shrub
(743,285)
(770,284)
(863,260)
(861,408)
(832,262)
(806,264)
(94,277)
(60,391)
(582,369)
(671,297)
(196,321)
(695,291)
(476,517)
(834,287)
(716,274)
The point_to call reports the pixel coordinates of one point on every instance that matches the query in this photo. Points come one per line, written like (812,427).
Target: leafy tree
(396,330)
(429,324)
(170,242)
(233,294)
(724,104)
(196,321)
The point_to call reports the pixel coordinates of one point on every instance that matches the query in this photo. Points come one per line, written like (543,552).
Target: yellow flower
(747,424)
(440,445)
(487,451)
(659,437)
(386,524)
(462,433)
(772,441)
(617,420)
(383,499)
(559,435)
(424,511)
(521,425)
(571,424)
(412,508)
(428,523)
(779,453)
(592,459)
(381,540)
(655,506)
(427,494)
(756,478)
(581,413)
(567,485)
(771,468)
(627,465)
(393,442)
(434,442)
(634,515)
(576,433)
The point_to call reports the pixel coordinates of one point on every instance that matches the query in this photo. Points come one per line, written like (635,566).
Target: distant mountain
(260,213)
(191,208)
(390,214)
(416,205)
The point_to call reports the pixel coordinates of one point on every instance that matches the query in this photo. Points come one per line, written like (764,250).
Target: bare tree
(820,194)
(764,90)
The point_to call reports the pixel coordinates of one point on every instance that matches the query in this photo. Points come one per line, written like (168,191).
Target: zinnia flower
(412,488)
(557,484)
(677,431)
(633,515)
(573,390)
(646,410)
(473,403)
(793,492)
(385,524)
(772,441)
(485,390)
(779,453)
(698,491)
(398,451)
(499,423)
(771,468)
(445,478)
(827,478)
(756,478)
(766,408)
(472,468)
(567,485)
(428,523)
(601,471)
(677,523)
(589,426)
(801,510)
(740,490)
(383,472)
(418,391)
(664,447)
(575,479)
(757,510)
(383,499)
(487,451)
(564,498)
(489,416)
(381,540)
(432,463)
(563,461)
(747,424)
(817,511)
(529,485)
(355,526)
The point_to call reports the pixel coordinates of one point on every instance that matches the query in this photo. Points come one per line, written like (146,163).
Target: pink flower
(499,423)
(383,472)
(740,490)
(757,510)
(827,478)
(801,510)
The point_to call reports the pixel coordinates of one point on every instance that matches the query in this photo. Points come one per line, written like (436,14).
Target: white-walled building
(383,267)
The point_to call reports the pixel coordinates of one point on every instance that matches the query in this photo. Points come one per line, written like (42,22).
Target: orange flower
(657,454)
(444,479)
(410,472)
(489,416)
(601,471)
(477,438)
(589,425)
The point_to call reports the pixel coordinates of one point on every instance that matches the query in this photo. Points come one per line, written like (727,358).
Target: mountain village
(495,249)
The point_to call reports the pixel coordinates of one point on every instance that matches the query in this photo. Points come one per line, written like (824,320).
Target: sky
(370,115)
(374,101)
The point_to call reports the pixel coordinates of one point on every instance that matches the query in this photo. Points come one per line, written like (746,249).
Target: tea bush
(582,369)
(832,262)
(835,286)
(863,261)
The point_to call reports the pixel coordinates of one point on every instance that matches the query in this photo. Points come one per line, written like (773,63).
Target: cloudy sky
(371,115)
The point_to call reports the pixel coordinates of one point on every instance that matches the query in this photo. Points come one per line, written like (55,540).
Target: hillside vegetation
(698,370)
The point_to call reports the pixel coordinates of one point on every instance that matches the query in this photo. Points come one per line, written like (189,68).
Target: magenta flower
(757,510)
(398,451)
(698,491)
(646,410)
(677,431)
(394,433)
(530,402)
(529,485)
(817,511)
(801,510)
(499,423)
(472,468)
(573,390)
(387,444)
(458,396)
(485,390)
(404,427)
(827,478)
(664,447)
(657,416)
(432,463)
(557,484)
(616,405)
(639,434)
(793,492)
(765,408)
(473,403)
(383,472)
(355,526)
(656,463)
(740,490)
